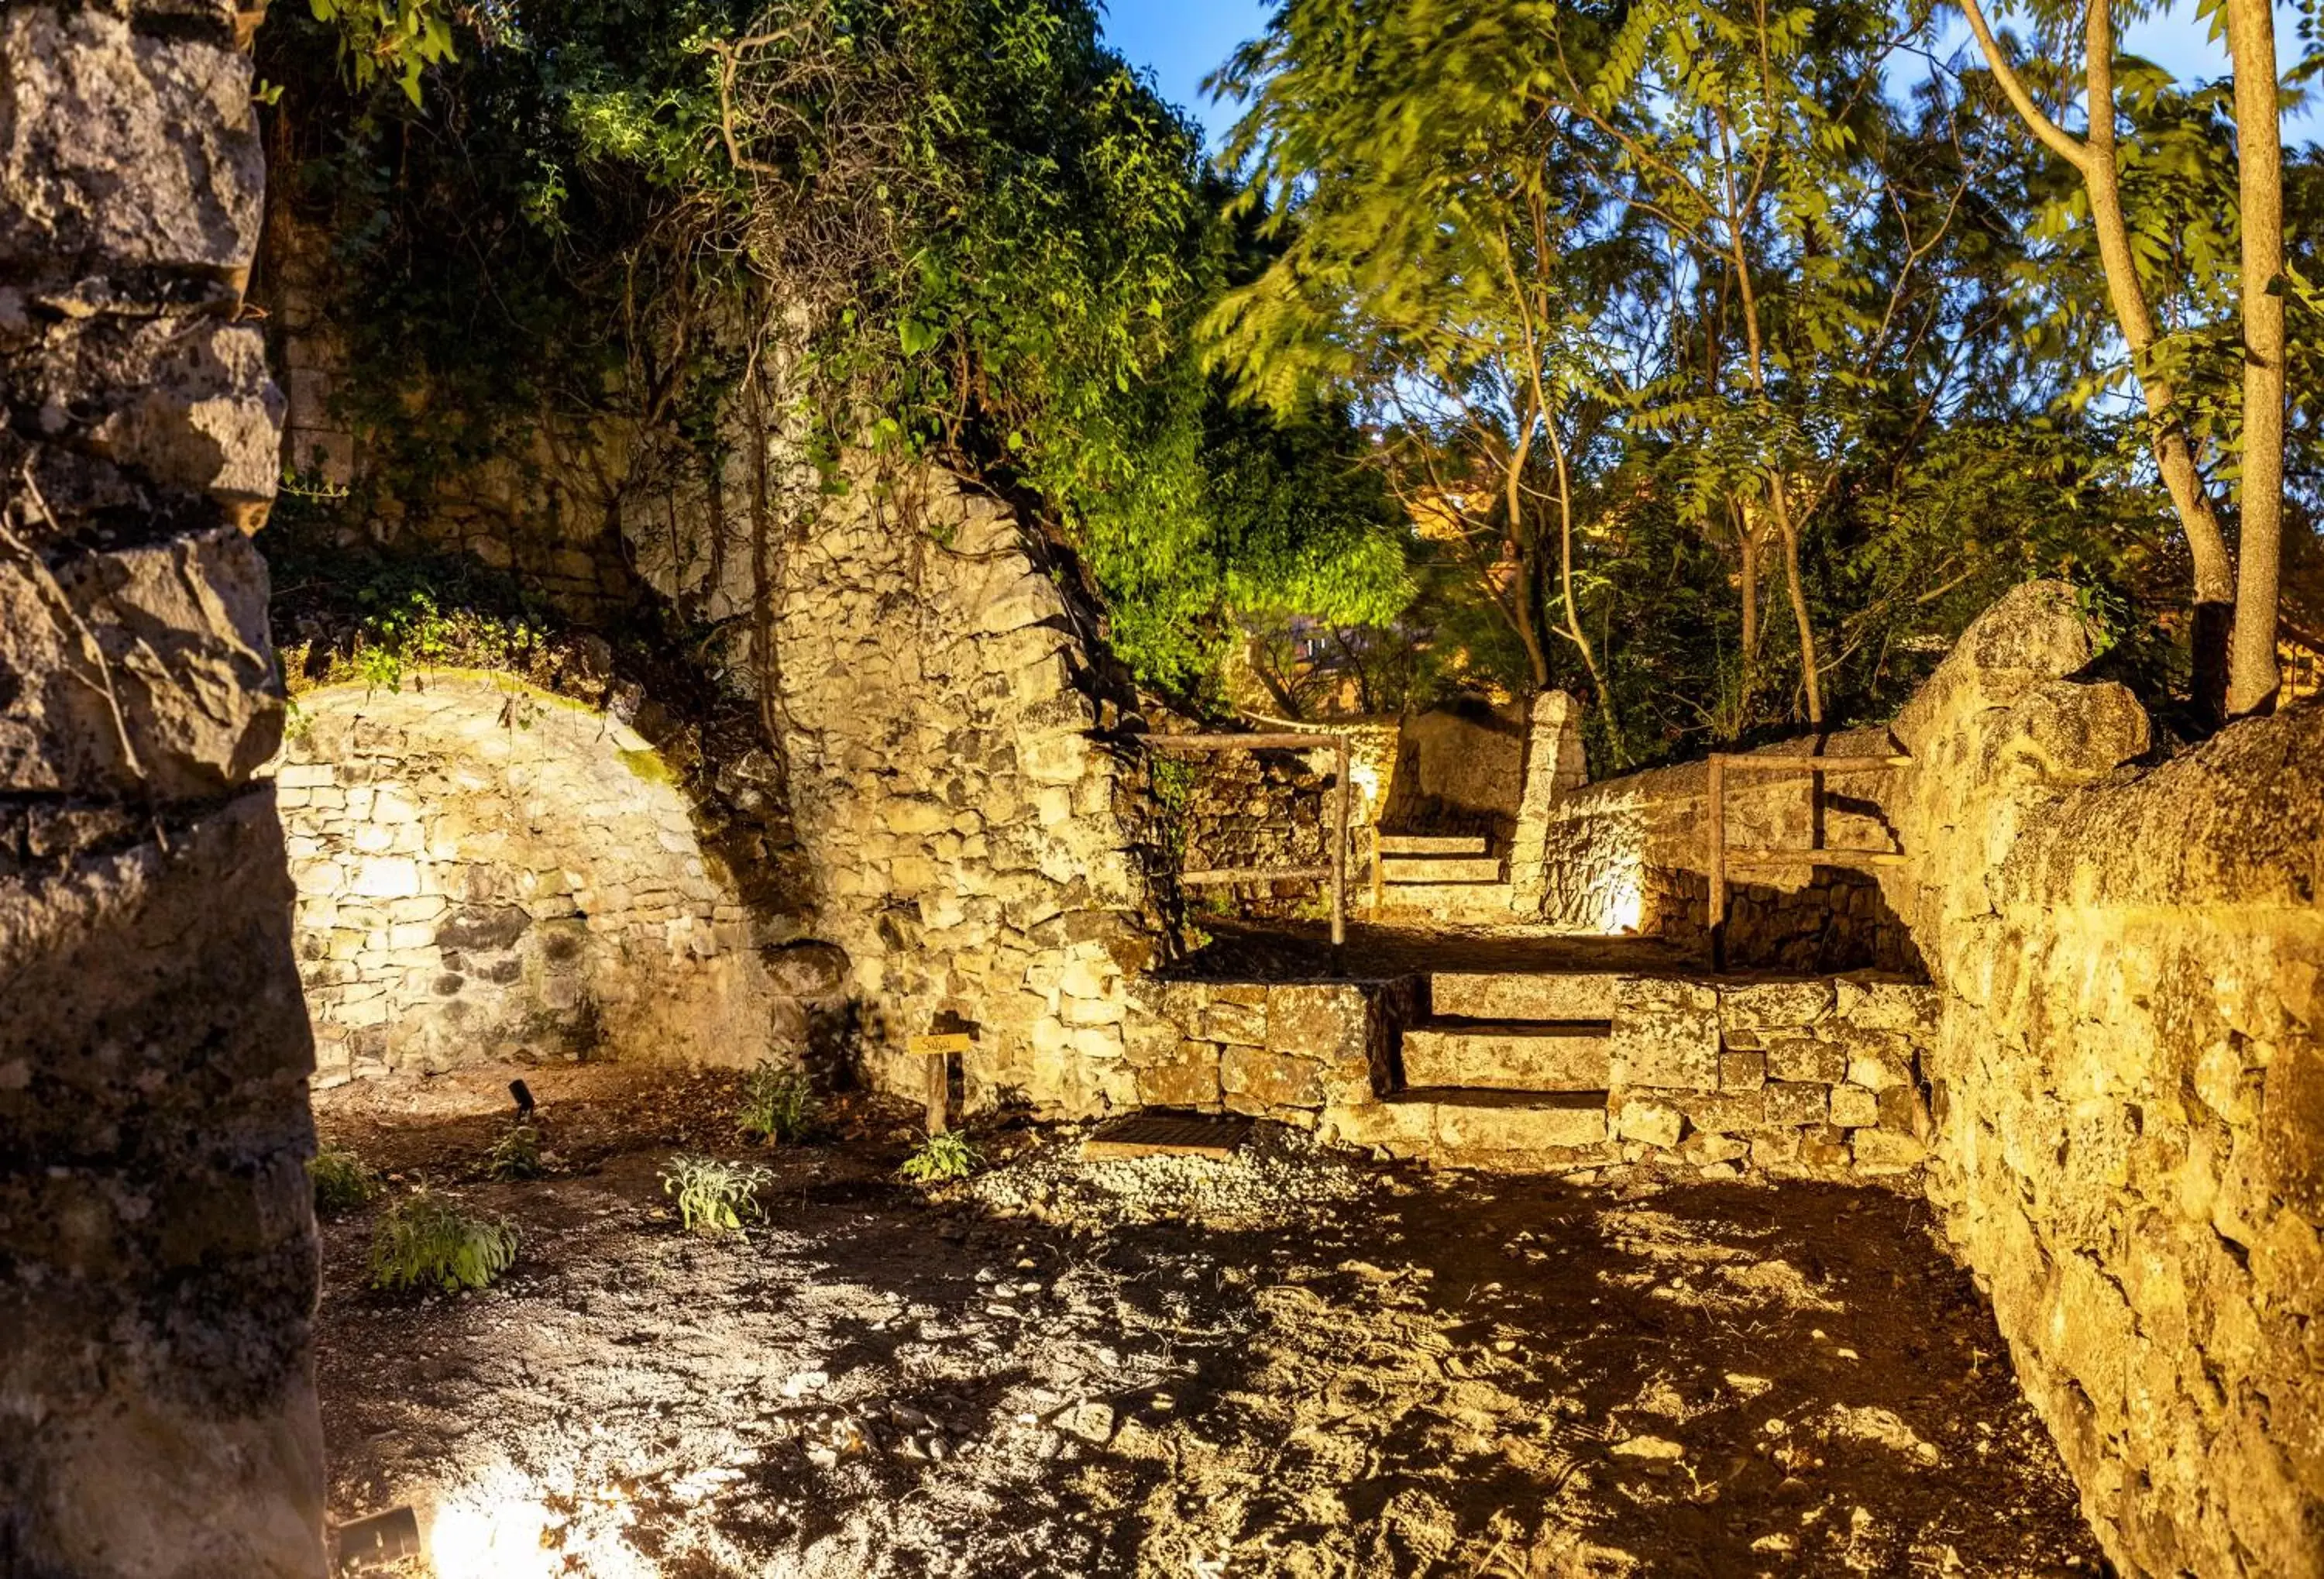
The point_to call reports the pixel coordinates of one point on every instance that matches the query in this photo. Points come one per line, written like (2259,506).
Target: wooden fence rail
(1719,856)
(1337,872)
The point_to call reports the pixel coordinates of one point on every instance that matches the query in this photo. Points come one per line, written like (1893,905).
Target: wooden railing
(1336,874)
(1721,856)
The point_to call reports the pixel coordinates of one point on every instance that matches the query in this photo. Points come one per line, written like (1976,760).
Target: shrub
(516,1155)
(342,1180)
(714,1196)
(948,1155)
(778,1104)
(425,1241)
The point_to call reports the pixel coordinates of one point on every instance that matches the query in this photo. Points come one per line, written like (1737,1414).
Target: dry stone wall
(488,872)
(2124,1071)
(1817,1078)
(1628,855)
(2129,1082)
(157,1254)
(976,827)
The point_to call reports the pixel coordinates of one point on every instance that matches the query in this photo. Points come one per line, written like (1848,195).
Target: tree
(2226,598)
(1449,266)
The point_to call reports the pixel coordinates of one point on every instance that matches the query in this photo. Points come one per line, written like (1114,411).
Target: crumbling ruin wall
(963,794)
(157,1256)
(2129,1081)
(488,872)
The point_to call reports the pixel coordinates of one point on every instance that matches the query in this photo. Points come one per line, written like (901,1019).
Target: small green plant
(714,1196)
(944,1156)
(342,1180)
(778,1104)
(426,1242)
(516,1155)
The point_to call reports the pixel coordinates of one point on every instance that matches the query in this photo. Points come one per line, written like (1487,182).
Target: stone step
(1503,1130)
(1573,1056)
(1435,869)
(1525,995)
(1431,843)
(1478,903)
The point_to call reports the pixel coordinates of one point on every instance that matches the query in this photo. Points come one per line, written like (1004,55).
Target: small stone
(1659,1448)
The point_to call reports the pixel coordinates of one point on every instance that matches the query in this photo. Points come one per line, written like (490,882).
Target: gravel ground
(1294,1361)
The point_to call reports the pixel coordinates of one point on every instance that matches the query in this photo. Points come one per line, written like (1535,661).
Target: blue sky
(1183,40)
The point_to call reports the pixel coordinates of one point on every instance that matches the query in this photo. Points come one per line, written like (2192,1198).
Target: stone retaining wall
(1629,854)
(157,1250)
(2129,1084)
(487,871)
(1817,1078)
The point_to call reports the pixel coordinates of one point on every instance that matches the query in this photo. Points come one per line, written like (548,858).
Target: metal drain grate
(1166,1134)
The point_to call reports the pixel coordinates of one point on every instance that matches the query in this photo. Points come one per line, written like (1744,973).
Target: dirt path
(1288,1363)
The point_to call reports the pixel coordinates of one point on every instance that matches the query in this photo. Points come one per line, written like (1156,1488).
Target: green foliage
(425,1242)
(714,1196)
(516,1155)
(963,230)
(778,1104)
(342,1181)
(941,1158)
(388,40)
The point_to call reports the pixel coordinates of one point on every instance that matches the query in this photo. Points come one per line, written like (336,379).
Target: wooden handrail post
(1340,856)
(1716,835)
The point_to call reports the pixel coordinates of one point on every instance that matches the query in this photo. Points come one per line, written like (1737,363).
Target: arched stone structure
(488,871)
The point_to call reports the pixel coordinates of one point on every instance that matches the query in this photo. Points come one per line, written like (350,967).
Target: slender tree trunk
(2252,676)
(2174,452)
(1527,600)
(1810,674)
(1573,609)
(764,592)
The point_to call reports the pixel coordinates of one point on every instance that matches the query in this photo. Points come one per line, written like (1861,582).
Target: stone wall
(2130,1083)
(1231,810)
(972,817)
(1630,855)
(157,1256)
(489,871)
(1816,1078)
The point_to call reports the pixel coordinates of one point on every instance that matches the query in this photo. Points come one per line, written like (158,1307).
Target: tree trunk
(1746,539)
(2174,453)
(1573,609)
(1527,601)
(2252,678)
(1778,488)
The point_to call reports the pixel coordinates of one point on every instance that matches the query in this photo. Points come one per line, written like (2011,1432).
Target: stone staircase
(1450,877)
(1506,1063)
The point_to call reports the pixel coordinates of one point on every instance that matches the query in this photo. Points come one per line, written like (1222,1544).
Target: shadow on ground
(1295,1362)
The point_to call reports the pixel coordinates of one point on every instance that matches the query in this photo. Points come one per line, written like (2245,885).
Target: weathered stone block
(1877,1151)
(1708,1151)
(1666,1034)
(1824,1146)
(181,627)
(1871,1001)
(1742,1071)
(138,151)
(1798,1058)
(1330,1022)
(1775,1005)
(1728,1112)
(1191,1081)
(1244,1024)
(1797,1102)
(1257,1080)
(1646,1119)
(1854,1108)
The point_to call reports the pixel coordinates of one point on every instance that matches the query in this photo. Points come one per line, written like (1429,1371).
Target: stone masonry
(157,1255)
(489,871)
(975,840)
